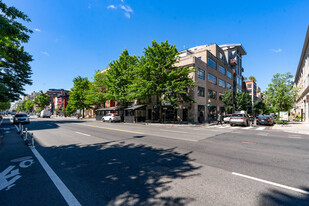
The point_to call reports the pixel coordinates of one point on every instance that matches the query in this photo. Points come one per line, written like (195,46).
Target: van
(45,114)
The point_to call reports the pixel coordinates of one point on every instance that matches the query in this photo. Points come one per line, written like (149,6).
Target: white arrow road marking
(272,183)
(6,174)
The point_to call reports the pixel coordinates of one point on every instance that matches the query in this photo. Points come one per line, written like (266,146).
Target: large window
(201,92)
(212,63)
(212,78)
(221,70)
(212,94)
(221,83)
(228,86)
(249,85)
(201,73)
(229,75)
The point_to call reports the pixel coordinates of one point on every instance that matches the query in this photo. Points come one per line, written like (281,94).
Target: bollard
(26,134)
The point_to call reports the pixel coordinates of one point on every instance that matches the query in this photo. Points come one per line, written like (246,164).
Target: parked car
(265,120)
(111,118)
(45,114)
(21,118)
(239,118)
(1,117)
(226,118)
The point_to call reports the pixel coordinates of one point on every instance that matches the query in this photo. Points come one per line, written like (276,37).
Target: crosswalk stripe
(247,128)
(261,128)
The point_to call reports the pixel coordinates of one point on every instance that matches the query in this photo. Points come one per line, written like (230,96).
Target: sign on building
(284,115)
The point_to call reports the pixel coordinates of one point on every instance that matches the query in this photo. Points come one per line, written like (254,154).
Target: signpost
(284,116)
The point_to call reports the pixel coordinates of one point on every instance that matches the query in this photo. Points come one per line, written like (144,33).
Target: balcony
(233,62)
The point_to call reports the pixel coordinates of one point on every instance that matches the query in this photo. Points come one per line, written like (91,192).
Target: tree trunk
(83,114)
(161,112)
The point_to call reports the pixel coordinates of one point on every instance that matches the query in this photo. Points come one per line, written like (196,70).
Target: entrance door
(149,114)
(185,115)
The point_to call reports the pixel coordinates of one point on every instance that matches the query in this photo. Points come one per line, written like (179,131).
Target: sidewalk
(293,127)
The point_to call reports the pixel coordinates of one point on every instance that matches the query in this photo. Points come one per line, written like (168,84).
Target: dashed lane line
(261,128)
(83,134)
(120,130)
(272,183)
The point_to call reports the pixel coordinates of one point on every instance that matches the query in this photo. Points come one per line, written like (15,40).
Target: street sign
(208,105)
(284,115)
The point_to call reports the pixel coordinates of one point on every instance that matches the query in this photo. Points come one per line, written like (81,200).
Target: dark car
(265,120)
(1,117)
(21,119)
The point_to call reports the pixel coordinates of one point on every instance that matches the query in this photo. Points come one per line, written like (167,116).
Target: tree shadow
(44,124)
(276,197)
(121,174)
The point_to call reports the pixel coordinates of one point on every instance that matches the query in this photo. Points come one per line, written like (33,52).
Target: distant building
(302,81)
(252,90)
(31,96)
(54,93)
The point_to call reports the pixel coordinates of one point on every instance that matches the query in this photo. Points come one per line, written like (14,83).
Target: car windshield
(237,115)
(20,115)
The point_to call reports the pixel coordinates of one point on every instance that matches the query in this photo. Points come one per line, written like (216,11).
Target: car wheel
(103,120)
(231,125)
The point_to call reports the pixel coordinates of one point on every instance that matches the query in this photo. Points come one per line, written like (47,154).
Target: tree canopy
(78,95)
(29,105)
(227,99)
(281,93)
(5,105)
(15,71)
(243,101)
(252,78)
(97,90)
(42,100)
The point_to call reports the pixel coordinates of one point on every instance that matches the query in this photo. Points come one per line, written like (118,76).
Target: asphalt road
(131,164)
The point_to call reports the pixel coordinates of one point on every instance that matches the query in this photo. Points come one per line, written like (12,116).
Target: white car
(111,118)
(226,118)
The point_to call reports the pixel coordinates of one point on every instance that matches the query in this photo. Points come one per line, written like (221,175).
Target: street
(84,162)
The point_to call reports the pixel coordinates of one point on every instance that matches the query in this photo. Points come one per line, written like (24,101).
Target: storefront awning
(136,107)
(110,109)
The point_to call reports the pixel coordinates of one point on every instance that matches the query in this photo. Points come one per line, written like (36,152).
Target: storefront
(135,113)
(103,111)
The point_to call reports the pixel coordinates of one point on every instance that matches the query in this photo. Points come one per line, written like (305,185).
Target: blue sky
(78,37)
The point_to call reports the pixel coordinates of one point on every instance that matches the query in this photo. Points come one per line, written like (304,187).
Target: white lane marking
(233,127)
(247,128)
(272,183)
(261,128)
(294,137)
(83,134)
(65,192)
(173,131)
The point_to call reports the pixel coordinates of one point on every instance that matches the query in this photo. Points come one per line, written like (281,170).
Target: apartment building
(213,75)
(302,81)
(252,89)
(31,96)
(53,93)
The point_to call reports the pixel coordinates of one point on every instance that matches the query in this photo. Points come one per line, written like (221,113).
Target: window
(200,58)
(212,94)
(212,79)
(250,85)
(201,92)
(221,83)
(250,91)
(228,86)
(221,70)
(212,63)
(49,93)
(201,73)
(229,74)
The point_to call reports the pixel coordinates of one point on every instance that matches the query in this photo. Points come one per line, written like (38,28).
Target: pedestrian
(219,119)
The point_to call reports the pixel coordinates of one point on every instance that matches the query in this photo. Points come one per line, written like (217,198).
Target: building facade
(302,82)
(252,89)
(53,94)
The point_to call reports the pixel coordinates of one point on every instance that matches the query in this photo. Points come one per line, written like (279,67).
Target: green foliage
(96,94)
(281,93)
(38,110)
(252,78)
(5,105)
(243,101)
(78,95)
(15,70)
(261,107)
(227,99)
(21,107)
(245,78)
(42,100)
(119,77)
(29,105)
(158,75)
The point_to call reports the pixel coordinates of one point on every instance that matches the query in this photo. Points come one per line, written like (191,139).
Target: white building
(302,82)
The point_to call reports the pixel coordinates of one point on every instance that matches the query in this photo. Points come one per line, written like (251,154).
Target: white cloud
(112,7)
(128,15)
(276,50)
(38,30)
(45,53)
(126,8)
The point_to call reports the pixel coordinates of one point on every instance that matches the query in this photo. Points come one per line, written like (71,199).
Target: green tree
(158,75)
(243,101)
(119,77)
(42,100)
(77,99)
(29,105)
(97,91)
(15,70)
(280,92)
(21,107)
(252,78)
(227,99)
(245,78)
(5,105)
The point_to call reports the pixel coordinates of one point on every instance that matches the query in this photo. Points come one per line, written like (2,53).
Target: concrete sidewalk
(293,127)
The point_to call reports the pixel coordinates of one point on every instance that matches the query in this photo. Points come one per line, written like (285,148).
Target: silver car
(239,119)
(21,118)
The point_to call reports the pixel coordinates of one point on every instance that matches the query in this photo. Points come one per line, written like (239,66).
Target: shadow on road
(45,124)
(121,174)
(276,197)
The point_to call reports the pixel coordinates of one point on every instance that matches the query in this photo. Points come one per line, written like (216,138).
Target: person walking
(219,119)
